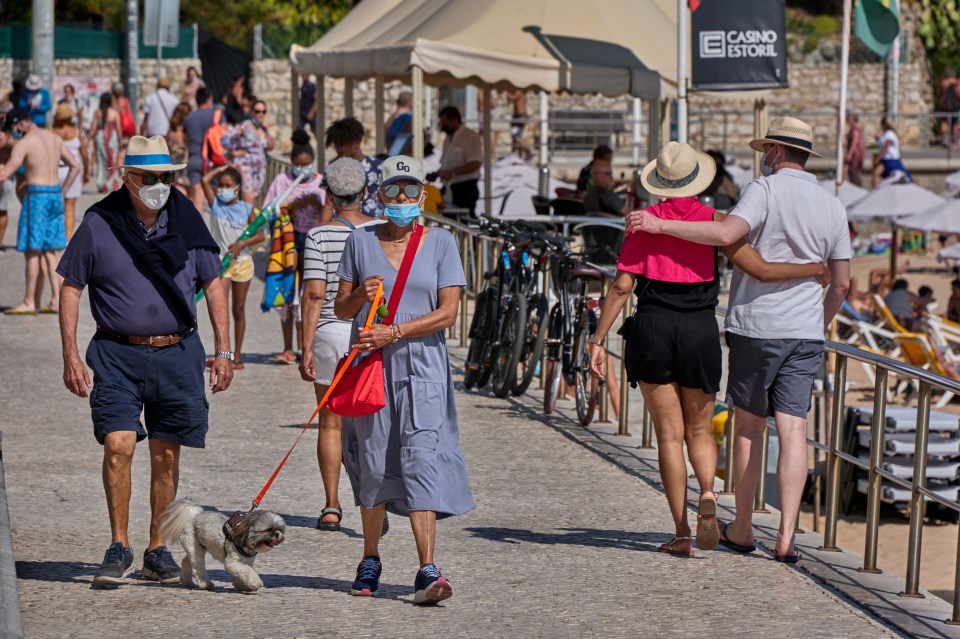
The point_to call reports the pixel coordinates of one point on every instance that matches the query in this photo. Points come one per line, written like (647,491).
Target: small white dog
(202,531)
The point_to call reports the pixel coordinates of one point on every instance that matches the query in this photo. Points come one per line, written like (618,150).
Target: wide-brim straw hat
(678,171)
(787,131)
(63,113)
(149,154)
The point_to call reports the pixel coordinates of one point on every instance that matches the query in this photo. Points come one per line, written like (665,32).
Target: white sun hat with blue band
(788,132)
(149,154)
(678,171)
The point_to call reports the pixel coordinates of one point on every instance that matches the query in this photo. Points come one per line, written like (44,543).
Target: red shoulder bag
(359,390)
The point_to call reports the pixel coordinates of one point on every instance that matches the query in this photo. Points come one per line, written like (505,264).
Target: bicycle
(570,325)
(496,332)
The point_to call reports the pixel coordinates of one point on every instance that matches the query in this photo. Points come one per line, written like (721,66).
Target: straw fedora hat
(678,171)
(787,131)
(149,154)
(64,113)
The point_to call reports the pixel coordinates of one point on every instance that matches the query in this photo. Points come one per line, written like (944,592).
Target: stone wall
(175,69)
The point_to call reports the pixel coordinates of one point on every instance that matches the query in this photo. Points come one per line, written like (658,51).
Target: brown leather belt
(154,340)
(148,340)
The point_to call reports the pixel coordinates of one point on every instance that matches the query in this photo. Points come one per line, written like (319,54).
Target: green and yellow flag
(877,23)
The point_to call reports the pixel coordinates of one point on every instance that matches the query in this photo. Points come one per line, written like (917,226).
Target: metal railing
(479,252)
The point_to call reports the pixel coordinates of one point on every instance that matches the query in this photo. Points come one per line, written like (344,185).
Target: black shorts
(666,347)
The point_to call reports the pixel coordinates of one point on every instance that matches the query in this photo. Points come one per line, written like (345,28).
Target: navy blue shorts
(165,384)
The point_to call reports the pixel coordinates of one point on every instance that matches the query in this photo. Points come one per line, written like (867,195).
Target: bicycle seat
(584,272)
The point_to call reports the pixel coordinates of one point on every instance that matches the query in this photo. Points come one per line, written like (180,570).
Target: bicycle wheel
(587,386)
(511,342)
(533,339)
(480,329)
(551,370)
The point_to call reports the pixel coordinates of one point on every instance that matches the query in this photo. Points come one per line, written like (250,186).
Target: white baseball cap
(401,167)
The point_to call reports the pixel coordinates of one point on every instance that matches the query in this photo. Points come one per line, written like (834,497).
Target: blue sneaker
(116,567)
(368,577)
(430,586)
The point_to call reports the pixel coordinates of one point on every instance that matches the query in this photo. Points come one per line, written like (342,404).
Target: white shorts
(332,343)
(8,194)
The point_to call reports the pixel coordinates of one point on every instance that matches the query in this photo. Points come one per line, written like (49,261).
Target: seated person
(925,300)
(953,304)
(900,302)
(585,180)
(722,189)
(601,198)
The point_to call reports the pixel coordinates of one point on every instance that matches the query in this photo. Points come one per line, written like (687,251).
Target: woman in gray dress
(405,458)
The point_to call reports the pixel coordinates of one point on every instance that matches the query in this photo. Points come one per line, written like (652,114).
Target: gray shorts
(772,375)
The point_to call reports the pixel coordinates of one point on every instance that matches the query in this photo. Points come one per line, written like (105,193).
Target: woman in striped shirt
(346,186)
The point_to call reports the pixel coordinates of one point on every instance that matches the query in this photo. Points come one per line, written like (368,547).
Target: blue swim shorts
(41,220)
(165,383)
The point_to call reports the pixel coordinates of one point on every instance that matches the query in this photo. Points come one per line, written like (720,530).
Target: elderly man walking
(775,330)
(144,251)
(41,233)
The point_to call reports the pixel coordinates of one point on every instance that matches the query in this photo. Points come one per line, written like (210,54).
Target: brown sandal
(708,534)
(669,547)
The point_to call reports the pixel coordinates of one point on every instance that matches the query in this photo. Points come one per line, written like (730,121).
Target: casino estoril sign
(738,44)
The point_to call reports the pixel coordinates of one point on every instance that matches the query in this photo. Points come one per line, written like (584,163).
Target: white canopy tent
(613,47)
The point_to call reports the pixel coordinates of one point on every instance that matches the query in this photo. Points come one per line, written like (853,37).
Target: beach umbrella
(942,218)
(849,193)
(891,203)
(952,252)
(953,181)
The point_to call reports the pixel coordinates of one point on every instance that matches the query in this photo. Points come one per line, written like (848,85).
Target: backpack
(212,150)
(127,126)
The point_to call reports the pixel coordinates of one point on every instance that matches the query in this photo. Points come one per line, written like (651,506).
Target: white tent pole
(416,82)
(378,108)
(842,108)
(682,47)
(427,107)
(544,128)
(347,97)
(636,132)
(895,71)
(321,120)
(487,148)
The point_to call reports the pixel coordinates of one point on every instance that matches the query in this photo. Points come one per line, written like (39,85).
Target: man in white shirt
(774,330)
(461,161)
(157,109)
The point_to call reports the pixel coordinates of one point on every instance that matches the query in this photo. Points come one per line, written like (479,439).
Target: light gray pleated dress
(408,454)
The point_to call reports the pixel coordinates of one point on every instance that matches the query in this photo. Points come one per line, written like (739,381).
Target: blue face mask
(226,195)
(16,134)
(306,171)
(402,214)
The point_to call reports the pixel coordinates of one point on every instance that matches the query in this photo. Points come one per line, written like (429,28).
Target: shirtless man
(7,187)
(41,232)
(518,99)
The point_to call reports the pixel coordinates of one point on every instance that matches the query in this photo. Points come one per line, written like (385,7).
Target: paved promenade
(562,543)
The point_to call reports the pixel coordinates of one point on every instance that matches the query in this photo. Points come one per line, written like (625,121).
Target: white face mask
(766,170)
(154,197)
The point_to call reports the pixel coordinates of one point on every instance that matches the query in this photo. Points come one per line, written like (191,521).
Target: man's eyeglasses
(412,191)
(149,179)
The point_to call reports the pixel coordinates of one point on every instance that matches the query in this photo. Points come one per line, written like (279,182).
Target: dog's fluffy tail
(177,517)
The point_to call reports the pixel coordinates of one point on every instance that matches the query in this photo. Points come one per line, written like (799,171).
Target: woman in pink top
(672,342)
(304,205)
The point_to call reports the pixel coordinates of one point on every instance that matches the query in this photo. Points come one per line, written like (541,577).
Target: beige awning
(613,47)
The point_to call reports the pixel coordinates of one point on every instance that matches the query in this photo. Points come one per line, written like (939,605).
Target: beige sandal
(670,550)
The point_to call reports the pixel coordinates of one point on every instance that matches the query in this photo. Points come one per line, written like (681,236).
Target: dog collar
(228,535)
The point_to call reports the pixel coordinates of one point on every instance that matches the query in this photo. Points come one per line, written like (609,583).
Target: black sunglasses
(259,110)
(149,179)
(412,191)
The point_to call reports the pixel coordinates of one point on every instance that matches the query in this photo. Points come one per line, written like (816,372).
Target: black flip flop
(788,559)
(726,543)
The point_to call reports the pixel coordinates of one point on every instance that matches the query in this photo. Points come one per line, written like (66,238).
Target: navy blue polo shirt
(122,297)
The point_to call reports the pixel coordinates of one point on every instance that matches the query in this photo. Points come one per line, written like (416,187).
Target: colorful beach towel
(281,281)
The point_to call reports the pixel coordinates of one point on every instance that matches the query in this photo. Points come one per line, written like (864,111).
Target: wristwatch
(228,355)
(598,342)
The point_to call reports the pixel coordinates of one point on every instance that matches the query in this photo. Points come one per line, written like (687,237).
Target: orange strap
(377,301)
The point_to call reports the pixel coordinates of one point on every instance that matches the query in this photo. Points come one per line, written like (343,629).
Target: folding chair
(918,351)
(887,316)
